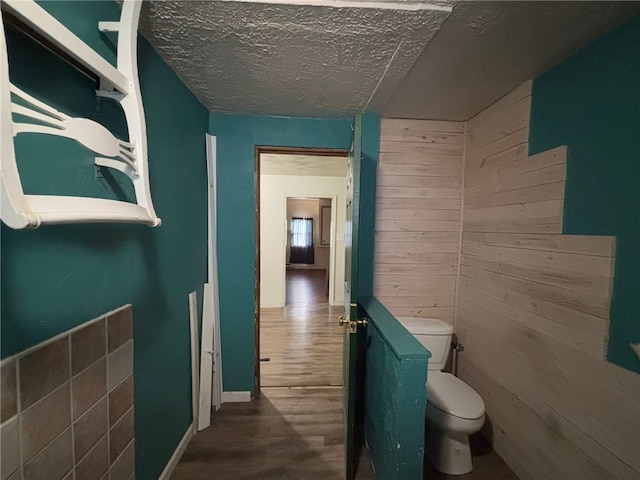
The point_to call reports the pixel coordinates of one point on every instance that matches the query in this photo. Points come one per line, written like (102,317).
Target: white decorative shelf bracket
(21,211)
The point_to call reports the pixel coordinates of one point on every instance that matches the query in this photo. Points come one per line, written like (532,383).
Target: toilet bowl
(454,409)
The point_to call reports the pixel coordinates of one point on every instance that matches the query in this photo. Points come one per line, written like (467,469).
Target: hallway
(294,429)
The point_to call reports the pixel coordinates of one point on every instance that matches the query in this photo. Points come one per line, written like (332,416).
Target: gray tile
(125,464)
(54,462)
(89,387)
(90,428)
(16,476)
(120,364)
(88,345)
(10,451)
(120,400)
(95,464)
(8,390)
(121,434)
(44,421)
(43,370)
(120,326)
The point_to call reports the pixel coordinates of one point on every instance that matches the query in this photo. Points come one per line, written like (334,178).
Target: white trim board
(306,266)
(216,393)
(195,354)
(206,358)
(177,454)
(272,305)
(236,397)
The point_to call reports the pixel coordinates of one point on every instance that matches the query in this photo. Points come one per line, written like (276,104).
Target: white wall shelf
(120,83)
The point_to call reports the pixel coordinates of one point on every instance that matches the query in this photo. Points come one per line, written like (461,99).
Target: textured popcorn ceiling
(404,59)
(298,60)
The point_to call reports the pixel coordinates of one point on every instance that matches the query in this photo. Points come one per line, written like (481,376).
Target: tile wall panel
(120,329)
(42,370)
(120,400)
(88,345)
(8,391)
(66,405)
(88,387)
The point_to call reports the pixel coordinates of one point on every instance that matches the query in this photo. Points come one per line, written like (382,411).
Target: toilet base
(448,452)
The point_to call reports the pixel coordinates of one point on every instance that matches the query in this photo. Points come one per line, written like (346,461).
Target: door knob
(352,324)
(362,321)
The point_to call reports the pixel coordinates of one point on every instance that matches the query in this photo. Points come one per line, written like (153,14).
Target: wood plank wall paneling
(418,216)
(505,190)
(533,312)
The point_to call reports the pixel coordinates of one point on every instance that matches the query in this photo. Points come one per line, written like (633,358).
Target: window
(301,232)
(302,241)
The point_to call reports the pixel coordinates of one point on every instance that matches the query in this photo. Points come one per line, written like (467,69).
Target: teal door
(349,321)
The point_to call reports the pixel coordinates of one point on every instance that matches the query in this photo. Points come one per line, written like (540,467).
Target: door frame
(332,247)
(259,150)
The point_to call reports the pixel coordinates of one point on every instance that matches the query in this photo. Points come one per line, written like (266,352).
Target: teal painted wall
(591,103)
(395,395)
(368,175)
(237,137)
(57,277)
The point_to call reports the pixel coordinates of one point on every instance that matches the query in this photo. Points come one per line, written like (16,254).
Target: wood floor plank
(306,287)
(303,344)
(286,433)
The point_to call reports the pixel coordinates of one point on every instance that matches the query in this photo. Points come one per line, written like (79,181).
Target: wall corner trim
(236,397)
(177,454)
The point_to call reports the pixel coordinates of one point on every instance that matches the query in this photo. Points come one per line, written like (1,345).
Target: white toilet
(454,409)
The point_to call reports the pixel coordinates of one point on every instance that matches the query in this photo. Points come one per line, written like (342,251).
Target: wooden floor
(294,429)
(487,464)
(303,345)
(286,433)
(306,287)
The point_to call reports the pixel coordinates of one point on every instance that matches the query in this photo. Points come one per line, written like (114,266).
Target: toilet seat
(452,396)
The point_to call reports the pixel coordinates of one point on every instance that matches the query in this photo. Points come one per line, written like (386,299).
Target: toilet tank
(435,335)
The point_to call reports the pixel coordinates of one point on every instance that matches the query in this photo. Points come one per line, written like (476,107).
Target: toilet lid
(426,326)
(451,395)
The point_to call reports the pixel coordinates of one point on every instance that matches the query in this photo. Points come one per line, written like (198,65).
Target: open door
(350,321)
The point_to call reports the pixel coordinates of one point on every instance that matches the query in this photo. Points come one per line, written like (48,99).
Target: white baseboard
(305,266)
(177,454)
(271,304)
(236,397)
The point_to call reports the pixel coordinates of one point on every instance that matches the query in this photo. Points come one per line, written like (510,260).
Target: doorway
(308,251)
(297,337)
